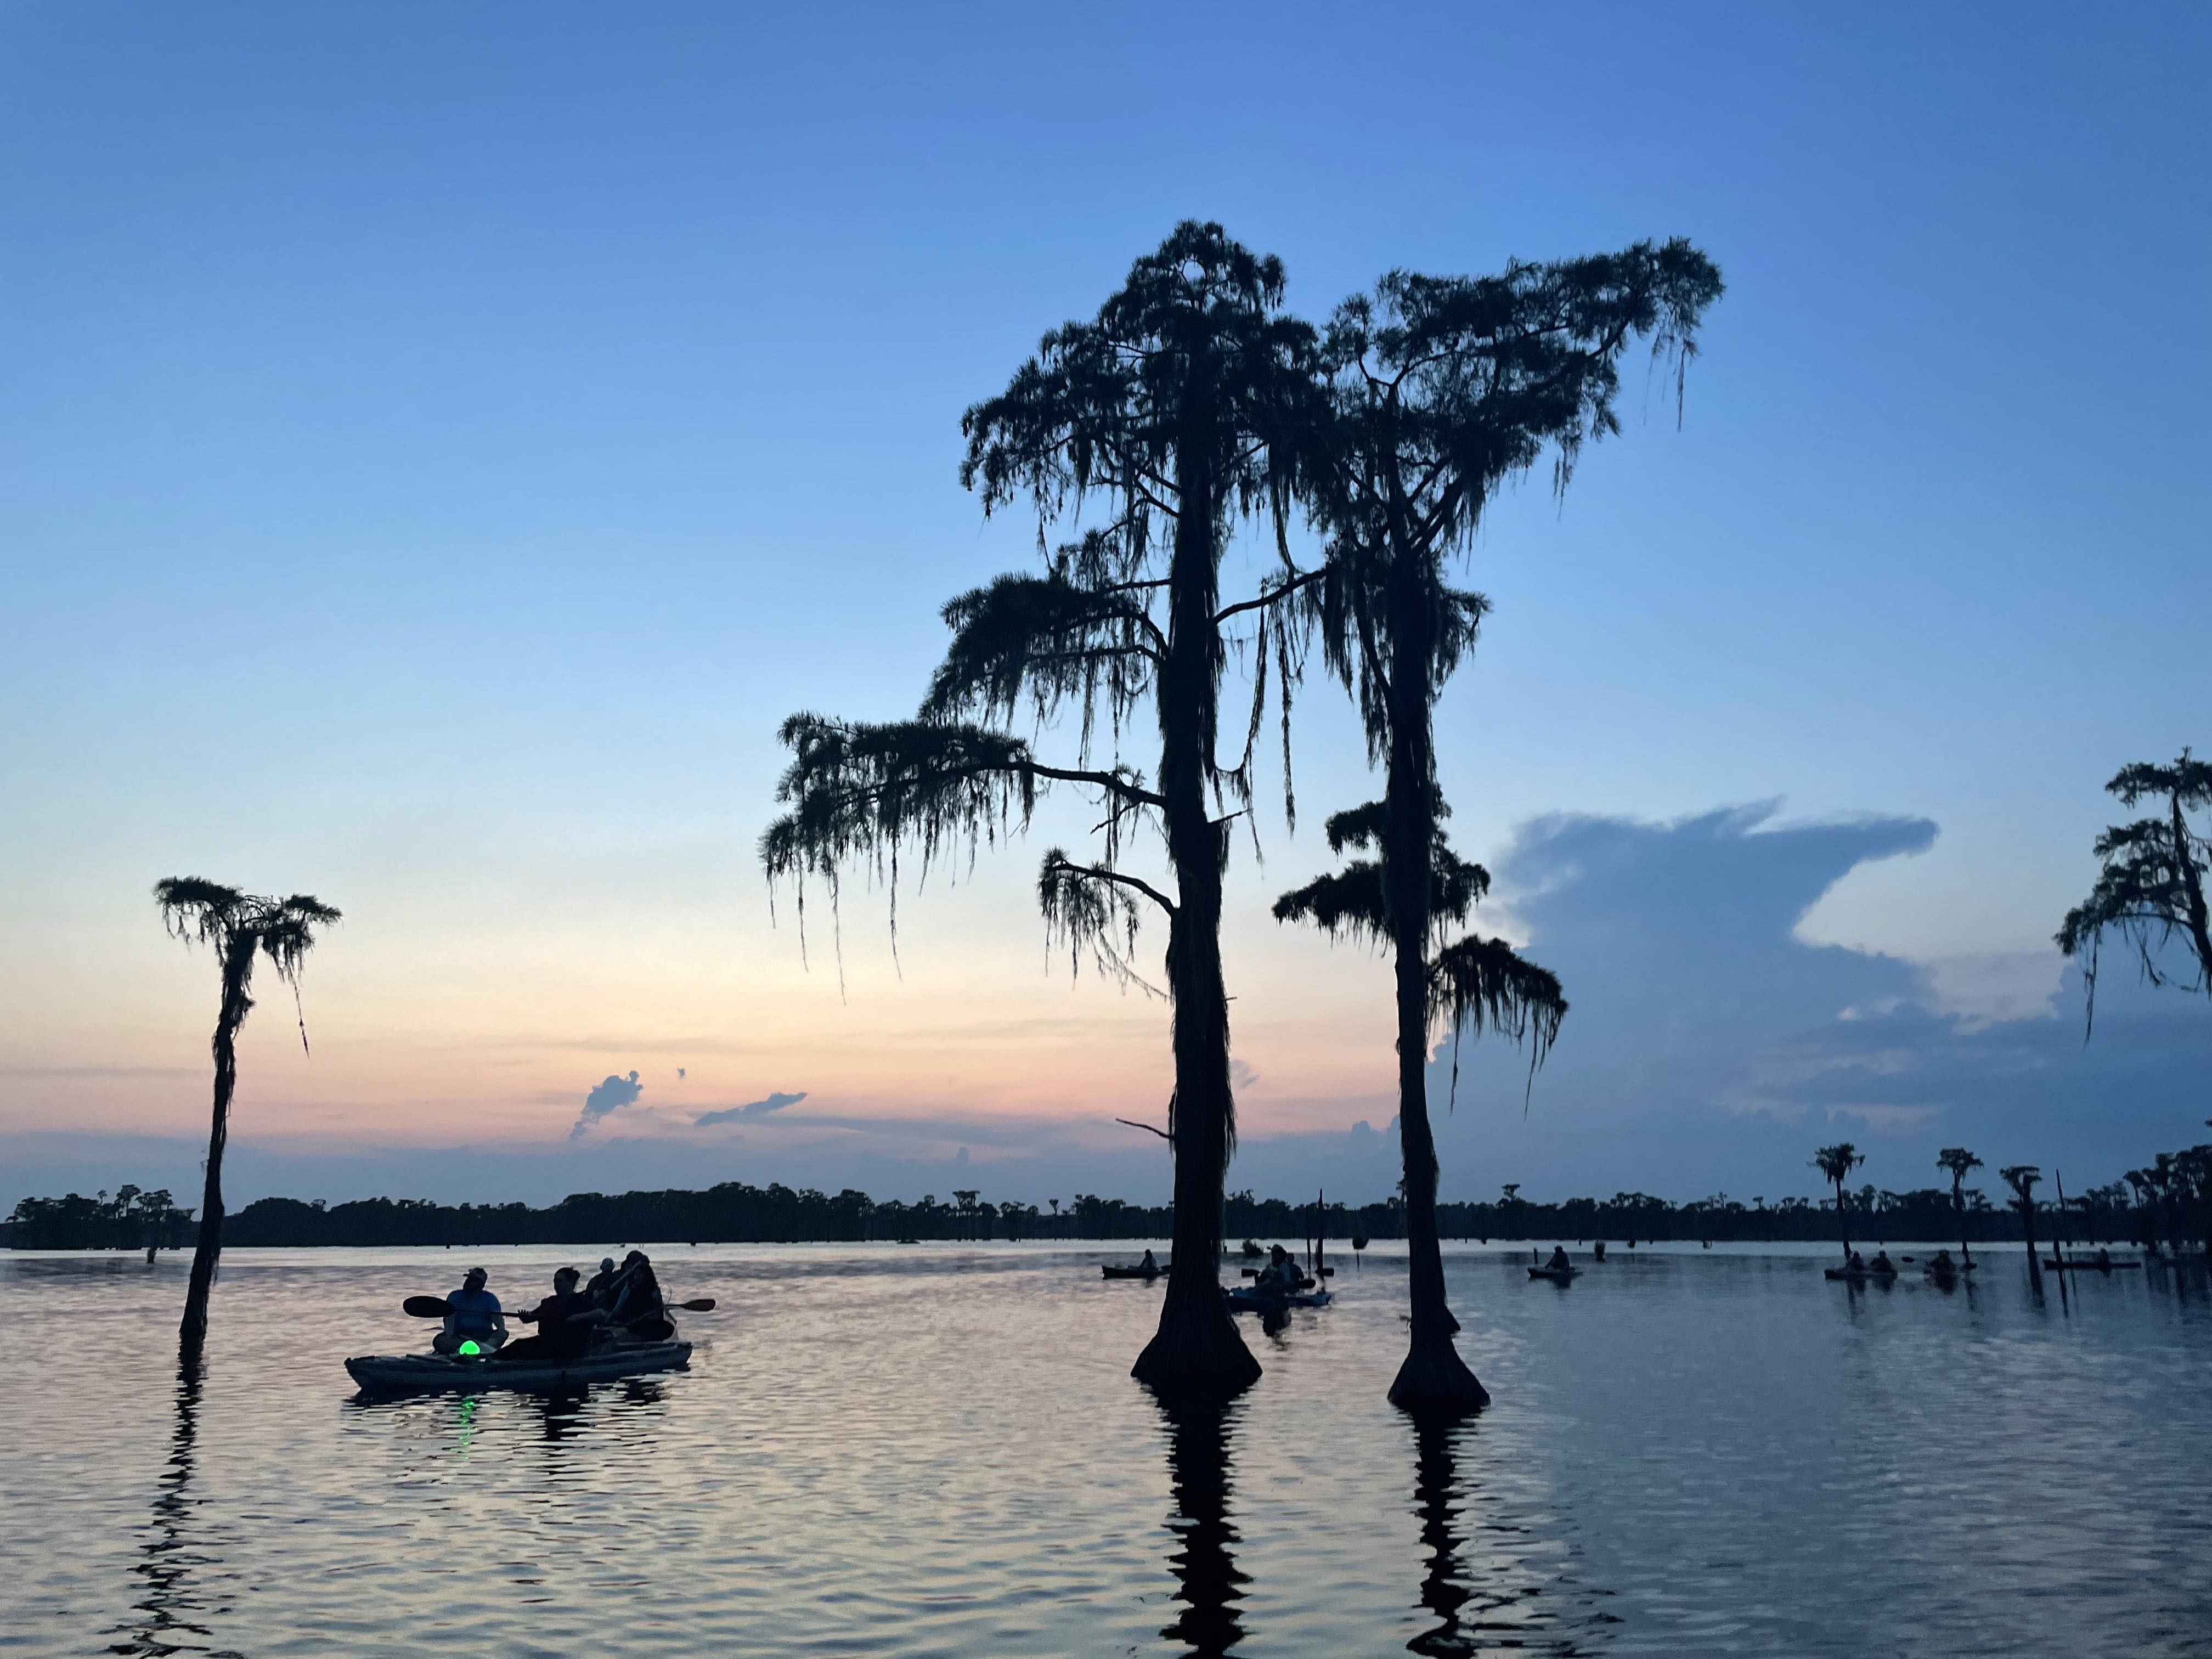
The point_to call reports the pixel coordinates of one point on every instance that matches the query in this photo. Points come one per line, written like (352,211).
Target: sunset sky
(442,443)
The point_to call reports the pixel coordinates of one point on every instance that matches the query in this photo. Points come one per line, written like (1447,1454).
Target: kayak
(412,1372)
(1245,1299)
(1556,1275)
(1856,1275)
(2090,1265)
(1131,1273)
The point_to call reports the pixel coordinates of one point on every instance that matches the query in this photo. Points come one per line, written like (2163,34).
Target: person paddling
(1559,1263)
(472,1315)
(1148,1266)
(567,1321)
(637,1302)
(1882,1264)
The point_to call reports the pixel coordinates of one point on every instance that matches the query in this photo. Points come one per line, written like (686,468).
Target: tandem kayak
(1556,1275)
(1245,1299)
(1106,1271)
(1856,1275)
(412,1372)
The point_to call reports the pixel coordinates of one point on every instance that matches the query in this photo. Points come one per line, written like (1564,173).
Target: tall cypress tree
(1441,390)
(1182,405)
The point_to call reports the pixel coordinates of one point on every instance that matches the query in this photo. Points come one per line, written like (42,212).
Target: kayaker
(601,1289)
(1282,1273)
(472,1315)
(1148,1266)
(567,1321)
(637,1297)
(1882,1264)
(1559,1263)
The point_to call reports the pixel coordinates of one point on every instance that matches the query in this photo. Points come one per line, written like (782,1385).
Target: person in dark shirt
(637,1305)
(567,1321)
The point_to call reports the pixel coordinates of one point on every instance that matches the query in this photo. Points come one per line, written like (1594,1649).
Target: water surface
(936,1450)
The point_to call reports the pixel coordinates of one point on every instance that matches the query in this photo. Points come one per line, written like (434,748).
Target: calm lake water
(936,1450)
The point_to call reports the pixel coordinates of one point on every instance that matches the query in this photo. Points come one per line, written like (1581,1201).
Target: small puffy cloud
(609,1095)
(775,1103)
(1241,1075)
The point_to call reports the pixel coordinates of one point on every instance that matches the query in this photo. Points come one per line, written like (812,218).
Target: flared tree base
(1435,1381)
(1194,1359)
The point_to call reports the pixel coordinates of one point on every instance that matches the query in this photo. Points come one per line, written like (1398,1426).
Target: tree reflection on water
(1207,1583)
(168,1557)
(1493,1602)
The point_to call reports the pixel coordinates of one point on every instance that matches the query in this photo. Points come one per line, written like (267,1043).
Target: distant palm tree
(2021,1178)
(240,927)
(1960,1163)
(1836,1163)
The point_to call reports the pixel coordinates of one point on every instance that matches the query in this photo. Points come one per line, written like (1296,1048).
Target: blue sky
(442,442)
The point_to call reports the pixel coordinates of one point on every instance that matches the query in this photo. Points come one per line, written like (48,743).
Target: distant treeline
(735,1213)
(131,1220)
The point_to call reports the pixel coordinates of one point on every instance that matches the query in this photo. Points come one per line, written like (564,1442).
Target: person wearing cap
(601,1289)
(472,1315)
(567,1321)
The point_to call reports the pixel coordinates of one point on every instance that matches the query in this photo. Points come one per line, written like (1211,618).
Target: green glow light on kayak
(469,1351)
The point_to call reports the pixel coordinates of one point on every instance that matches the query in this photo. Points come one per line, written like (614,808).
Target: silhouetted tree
(241,927)
(2151,891)
(1440,389)
(1470,983)
(1959,1162)
(1836,1163)
(2021,1178)
(1174,402)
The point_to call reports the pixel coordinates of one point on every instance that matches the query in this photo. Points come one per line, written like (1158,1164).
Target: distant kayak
(415,1372)
(2090,1265)
(1556,1275)
(1858,1274)
(1106,1271)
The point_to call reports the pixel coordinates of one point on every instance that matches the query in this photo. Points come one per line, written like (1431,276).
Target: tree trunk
(237,964)
(1958,1203)
(1842,1222)
(2027,1227)
(1433,1378)
(1196,1351)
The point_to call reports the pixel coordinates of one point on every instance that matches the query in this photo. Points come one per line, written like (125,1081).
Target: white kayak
(407,1372)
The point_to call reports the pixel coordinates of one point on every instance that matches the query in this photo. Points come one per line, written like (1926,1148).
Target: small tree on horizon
(2021,1178)
(241,927)
(1959,1162)
(2151,889)
(1837,1163)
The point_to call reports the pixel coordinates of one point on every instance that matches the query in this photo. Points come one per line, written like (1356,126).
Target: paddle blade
(427,1307)
(698,1304)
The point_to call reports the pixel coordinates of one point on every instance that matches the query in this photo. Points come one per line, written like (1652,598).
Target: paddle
(436,1307)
